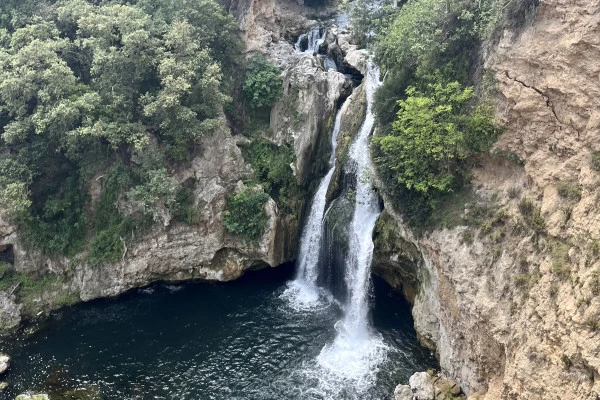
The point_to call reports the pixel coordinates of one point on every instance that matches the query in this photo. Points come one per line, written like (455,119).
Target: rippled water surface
(237,340)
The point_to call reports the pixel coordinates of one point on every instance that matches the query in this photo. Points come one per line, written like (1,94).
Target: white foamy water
(314,38)
(357,351)
(303,293)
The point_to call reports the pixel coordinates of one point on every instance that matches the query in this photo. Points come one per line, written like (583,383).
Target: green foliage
(368,18)
(569,190)
(434,133)
(510,156)
(59,225)
(30,288)
(245,214)
(532,216)
(271,165)
(432,122)
(262,83)
(184,209)
(86,85)
(596,161)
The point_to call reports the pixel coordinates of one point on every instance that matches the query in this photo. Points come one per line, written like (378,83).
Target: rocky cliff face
(512,306)
(205,250)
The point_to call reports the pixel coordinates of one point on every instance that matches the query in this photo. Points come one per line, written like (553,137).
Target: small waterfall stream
(303,292)
(313,39)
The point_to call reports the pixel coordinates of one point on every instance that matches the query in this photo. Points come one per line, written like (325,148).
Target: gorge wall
(205,250)
(511,310)
(512,305)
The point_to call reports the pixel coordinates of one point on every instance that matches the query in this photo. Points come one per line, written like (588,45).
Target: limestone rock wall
(514,314)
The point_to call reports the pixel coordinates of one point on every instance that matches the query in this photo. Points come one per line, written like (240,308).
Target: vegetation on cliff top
(433,120)
(112,94)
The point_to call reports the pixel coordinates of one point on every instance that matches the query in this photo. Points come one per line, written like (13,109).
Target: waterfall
(366,211)
(313,40)
(303,292)
(355,354)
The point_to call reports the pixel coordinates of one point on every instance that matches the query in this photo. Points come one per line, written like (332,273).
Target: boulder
(421,386)
(4,363)
(403,392)
(3,385)
(10,311)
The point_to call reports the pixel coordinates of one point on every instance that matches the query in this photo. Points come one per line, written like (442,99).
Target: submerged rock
(4,363)
(31,396)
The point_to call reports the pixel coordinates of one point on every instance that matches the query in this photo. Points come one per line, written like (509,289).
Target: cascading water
(356,351)
(310,43)
(303,292)
(313,40)
(354,356)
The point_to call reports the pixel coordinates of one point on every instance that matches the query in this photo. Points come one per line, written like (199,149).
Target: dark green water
(211,341)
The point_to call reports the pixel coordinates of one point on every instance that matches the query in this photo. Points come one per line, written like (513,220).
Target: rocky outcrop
(512,307)
(421,386)
(303,117)
(4,363)
(204,250)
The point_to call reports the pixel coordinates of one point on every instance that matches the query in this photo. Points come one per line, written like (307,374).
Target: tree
(89,85)
(262,83)
(189,102)
(435,131)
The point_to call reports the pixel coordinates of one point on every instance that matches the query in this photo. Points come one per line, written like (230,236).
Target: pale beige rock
(403,392)
(305,114)
(497,339)
(421,386)
(4,363)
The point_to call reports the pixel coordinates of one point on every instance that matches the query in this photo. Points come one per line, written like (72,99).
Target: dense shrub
(435,131)
(432,121)
(245,214)
(262,83)
(271,165)
(87,90)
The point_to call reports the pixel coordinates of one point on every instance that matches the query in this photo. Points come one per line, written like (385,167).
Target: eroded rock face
(203,251)
(10,312)
(305,114)
(516,315)
(267,24)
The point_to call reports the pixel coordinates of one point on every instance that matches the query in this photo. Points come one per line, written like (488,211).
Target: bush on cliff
(432,119)
(262,83)
(245,214)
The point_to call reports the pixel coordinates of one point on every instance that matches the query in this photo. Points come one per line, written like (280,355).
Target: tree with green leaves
(435,131)
(86,86)
(262,83)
